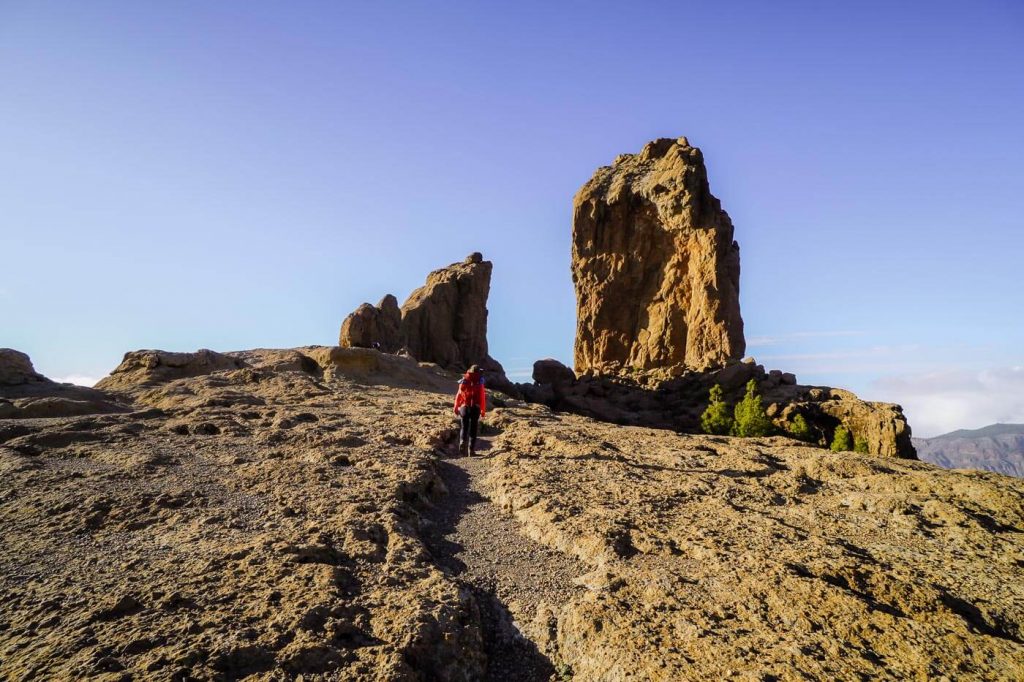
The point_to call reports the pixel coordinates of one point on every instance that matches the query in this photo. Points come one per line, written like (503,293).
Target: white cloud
(77,379)
(943,401)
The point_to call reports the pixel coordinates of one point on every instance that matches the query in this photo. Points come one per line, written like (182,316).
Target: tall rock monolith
(655,266)
(445,320)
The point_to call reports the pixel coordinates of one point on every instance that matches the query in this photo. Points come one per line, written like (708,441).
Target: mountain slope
(267,514)
(997,447)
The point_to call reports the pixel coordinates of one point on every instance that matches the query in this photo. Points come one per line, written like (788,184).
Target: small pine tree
(860,445)
(716,419)
(800,429)
(841,442)
(749,417)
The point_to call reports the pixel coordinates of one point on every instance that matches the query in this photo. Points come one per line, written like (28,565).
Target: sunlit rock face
(655,267)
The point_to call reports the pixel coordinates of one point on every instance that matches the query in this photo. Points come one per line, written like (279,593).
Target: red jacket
(471,392)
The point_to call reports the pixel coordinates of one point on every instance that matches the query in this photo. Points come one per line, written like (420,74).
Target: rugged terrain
(998,448)
(271,514)
(266,514)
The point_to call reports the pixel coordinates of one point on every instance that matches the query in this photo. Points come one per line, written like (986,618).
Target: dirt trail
(518,582)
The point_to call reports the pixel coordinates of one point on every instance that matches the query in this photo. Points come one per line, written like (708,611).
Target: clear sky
(237,174)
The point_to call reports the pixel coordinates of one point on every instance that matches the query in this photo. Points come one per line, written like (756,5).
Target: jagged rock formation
(373,326)
(276,513)
(677,404)
(656,272)
(443,322)
(655,267)
(26,394)
(997,447)
(882,426)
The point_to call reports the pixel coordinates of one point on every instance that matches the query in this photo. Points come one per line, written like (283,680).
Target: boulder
(655,267)
(551,371)
(16,368)
(373,326)
(881,425)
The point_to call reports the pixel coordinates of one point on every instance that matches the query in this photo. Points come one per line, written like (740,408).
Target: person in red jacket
(470,406)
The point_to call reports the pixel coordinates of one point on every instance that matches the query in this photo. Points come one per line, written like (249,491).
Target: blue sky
(231,175)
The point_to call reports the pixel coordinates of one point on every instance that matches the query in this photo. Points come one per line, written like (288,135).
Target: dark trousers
(470,416)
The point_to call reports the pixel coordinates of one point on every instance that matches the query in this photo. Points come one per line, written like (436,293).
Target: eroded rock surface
(293,513)
(655,267)
(445,320)
(16,368)
(26,394)
(725,558)
(677,404)
(258,519)
(145,367)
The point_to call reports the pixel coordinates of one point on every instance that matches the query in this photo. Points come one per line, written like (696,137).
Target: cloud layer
(937,402)
(77,379)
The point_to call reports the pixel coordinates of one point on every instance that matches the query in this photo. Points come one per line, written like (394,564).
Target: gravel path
(511,574)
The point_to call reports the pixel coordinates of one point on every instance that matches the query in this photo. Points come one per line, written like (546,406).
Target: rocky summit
(271,514)
(655,266)
(286,514)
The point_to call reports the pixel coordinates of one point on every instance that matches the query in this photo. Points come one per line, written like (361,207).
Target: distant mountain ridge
(997,447)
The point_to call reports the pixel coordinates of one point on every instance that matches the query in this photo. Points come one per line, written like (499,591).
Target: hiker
(470,405)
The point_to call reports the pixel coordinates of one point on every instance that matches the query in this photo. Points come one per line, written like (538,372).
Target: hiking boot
(464,450)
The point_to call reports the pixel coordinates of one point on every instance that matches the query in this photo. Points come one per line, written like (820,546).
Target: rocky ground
(757,559)
(270,514)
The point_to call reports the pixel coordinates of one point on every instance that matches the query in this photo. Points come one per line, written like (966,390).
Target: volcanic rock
(26,394)
(760,559)
(881,425)
(151,367)
(373,326)
(551,371)
(445,320)
(301,514)
(655,267)
(677,404)
(16,368)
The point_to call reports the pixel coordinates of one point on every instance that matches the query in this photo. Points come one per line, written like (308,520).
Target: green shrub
(716,419)
(861,445)
(841,442)
(749,418)
(800,429)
